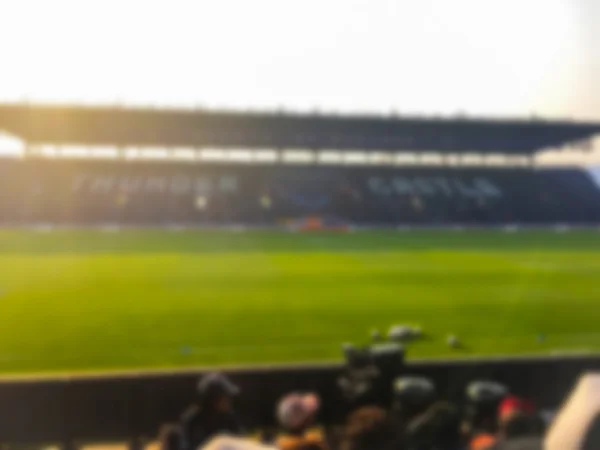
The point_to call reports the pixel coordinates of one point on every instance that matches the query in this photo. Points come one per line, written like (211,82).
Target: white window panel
(405,159)
(265,156)
(380,158)
(297,157)
(471,159)
(452,159)
(131,153)
(45,150)
(213,154)
(184,153)
(518,161)
(72,151)
(153,153)
(104,151)
(329,157)
(431,159)
(240,155)
(495,160)
(301,150)
(355,158)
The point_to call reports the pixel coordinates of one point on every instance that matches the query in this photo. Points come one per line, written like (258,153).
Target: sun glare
(10,145)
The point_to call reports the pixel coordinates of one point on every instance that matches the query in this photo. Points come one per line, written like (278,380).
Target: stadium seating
(489,419)
(160,193)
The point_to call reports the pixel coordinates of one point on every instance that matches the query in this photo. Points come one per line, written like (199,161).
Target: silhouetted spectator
(412,396)
(370,428)
(212,414)
(438,428)
(518,427)
(481,412)
(170,437)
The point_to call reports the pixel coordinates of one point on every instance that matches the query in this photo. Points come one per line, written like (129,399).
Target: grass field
(91,300)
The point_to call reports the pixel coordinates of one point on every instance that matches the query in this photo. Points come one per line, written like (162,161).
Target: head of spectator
(513,405)
(216,392)
(370,428)
(412,396)
(297,412)
(517,418)
(213,412)
(437,428)
(517,422)
(482,401)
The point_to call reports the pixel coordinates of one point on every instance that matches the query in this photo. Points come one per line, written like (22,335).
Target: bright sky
(492,57)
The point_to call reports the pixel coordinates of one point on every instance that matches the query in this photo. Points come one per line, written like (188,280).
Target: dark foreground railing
(131,407)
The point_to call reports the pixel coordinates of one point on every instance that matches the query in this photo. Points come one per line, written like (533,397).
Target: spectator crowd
(490,418)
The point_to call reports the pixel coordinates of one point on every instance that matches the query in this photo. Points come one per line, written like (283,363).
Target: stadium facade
(293,167)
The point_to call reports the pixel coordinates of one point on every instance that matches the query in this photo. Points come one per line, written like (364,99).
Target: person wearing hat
(412,396)
(212,413)
(518,427)
(480,419)
(296,414)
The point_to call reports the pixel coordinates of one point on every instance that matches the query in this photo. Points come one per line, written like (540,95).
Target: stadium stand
(427,408)
(79,192)
(163,193)
(502,421)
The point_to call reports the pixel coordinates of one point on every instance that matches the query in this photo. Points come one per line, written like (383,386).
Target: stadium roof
(77,125)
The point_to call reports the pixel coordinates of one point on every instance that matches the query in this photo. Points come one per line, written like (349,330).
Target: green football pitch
(75,301)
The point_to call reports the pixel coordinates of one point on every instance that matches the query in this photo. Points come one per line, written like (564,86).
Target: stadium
(150,245)
(340,246)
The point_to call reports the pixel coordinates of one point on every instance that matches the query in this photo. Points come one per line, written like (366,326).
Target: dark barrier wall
(132,407)
(163,193)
